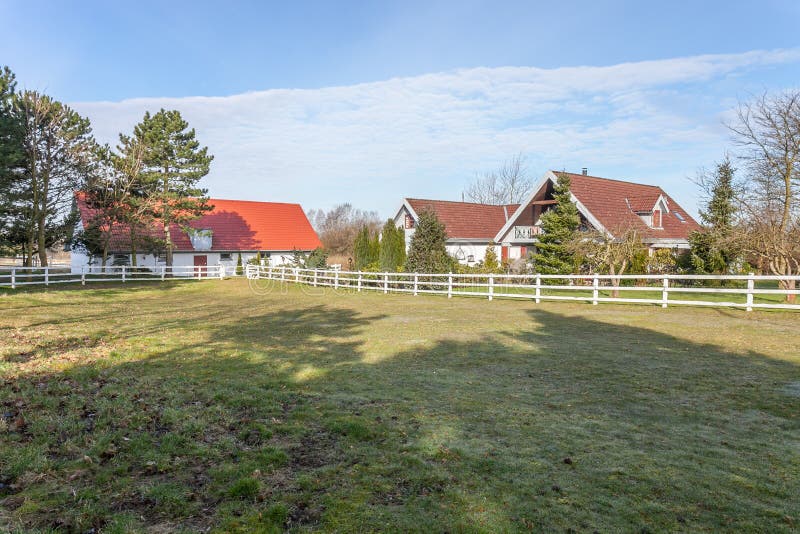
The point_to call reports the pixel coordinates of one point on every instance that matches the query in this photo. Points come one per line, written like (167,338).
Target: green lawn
(192,405)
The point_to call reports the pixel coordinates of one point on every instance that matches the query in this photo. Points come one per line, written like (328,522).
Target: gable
(608,204)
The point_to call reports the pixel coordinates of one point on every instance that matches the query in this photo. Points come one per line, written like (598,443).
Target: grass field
(191,406)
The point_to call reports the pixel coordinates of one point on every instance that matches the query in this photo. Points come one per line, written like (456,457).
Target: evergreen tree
(11,162)
(559,226)
(427,252)
(490,261)
(239,269)
(392,247)
(712,249)
(366,248)
(59,157)
(172,165)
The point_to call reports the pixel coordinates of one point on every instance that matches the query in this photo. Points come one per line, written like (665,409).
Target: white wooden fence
(14,277)
(748,292)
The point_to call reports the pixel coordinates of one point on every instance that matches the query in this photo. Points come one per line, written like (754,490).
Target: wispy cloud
(373,143)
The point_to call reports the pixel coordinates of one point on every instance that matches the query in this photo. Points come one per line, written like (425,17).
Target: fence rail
(14,277)
(744,291)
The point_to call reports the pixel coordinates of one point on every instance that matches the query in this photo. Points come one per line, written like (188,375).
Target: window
(679,215)
(409,222)
(471,259)
(121,259)
(459,254)
(656,218)
(225,256)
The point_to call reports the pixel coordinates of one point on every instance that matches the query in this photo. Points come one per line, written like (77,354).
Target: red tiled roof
(466,220)
(605,200)
(235,225)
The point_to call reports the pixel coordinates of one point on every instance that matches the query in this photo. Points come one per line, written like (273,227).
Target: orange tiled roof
(235,225)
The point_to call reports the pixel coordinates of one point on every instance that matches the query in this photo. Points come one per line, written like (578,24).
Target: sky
(369,102)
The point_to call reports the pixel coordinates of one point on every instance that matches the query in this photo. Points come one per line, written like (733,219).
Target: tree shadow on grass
(284,419)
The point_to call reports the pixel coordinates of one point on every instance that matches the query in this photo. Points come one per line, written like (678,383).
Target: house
(603,204)
(232,227)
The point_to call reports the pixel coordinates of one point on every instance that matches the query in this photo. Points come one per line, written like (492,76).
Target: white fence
(14,277)
(746,292)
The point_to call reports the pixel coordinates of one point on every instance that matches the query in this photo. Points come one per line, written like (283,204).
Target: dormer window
(656,218)
(409,222)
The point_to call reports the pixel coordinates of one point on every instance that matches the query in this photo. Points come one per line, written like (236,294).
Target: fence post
(283,273)
(385,283)
(595,289)
(491,286)
(315,277)
(163,272)
(665,293)
(538,288)
(335,279)
(450,285)
(221,269)
(751,285)
(13,278)
(83,276)
(47,276)
(416,283)
(359,281)
(123,274)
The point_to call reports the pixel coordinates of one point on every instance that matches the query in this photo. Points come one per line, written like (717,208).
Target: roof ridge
(607,179)
(254,201)
(462,202)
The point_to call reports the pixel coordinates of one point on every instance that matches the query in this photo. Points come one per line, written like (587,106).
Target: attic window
(409,222)
(679,215)
(200,239)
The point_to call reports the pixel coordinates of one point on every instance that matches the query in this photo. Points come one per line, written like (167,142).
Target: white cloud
(374,143)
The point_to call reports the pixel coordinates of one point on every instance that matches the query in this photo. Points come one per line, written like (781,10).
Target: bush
(317,259)
(239,269)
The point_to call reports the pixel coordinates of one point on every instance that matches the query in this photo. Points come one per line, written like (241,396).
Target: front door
(200,265)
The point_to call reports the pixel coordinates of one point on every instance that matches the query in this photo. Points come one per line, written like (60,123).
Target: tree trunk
(168,243)
(40,240)
(614,281)
(789,285)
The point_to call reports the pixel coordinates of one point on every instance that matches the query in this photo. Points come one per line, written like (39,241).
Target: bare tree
(609,252)
(768,230)
(507,185)
(337,228)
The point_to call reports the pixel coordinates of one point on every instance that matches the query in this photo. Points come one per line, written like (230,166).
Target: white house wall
(80,261)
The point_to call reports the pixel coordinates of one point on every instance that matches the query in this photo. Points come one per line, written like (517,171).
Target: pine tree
(712,250)
(559,226)
(427,252)
(172,165)
(392,247)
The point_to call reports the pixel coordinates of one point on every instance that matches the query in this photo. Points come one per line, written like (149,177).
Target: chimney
(585,171)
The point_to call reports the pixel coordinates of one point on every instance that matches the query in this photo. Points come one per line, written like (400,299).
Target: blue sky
(324,102)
